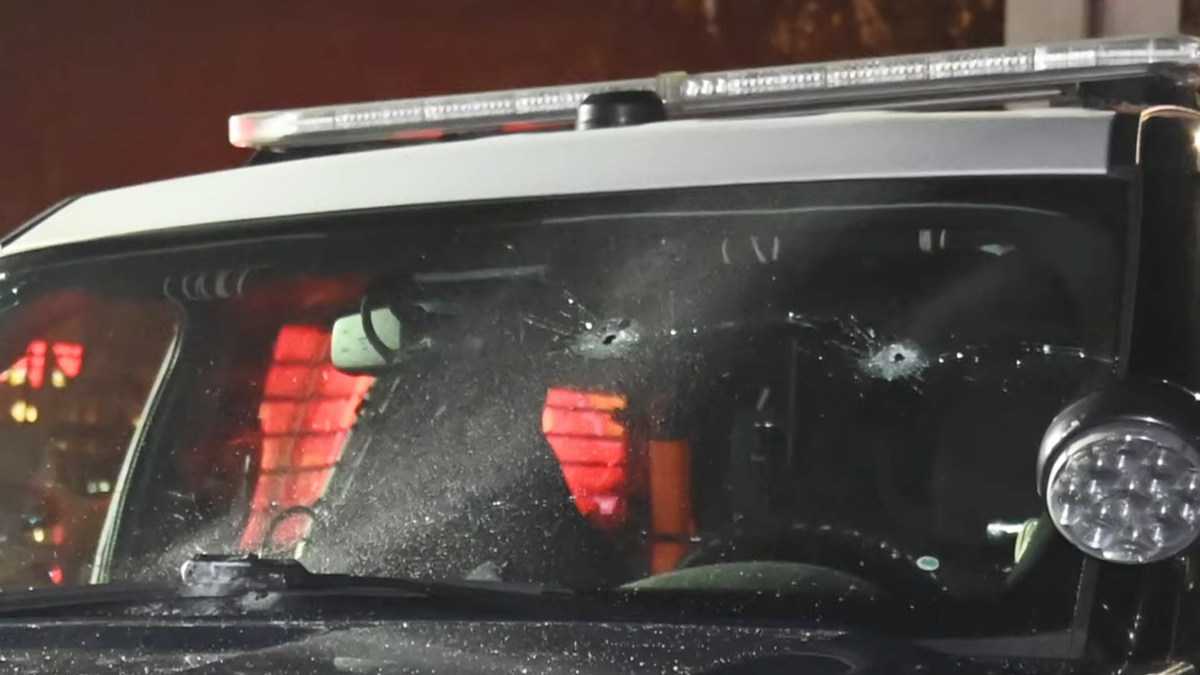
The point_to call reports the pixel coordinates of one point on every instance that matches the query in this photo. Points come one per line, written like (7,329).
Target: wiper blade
(219,583)
(209,575)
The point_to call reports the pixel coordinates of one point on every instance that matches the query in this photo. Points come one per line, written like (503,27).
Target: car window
(72,394)
(834,391)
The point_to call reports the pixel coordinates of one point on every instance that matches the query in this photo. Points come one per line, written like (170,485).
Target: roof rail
(956,79)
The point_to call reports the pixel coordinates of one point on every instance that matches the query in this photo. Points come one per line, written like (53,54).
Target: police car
(660,374)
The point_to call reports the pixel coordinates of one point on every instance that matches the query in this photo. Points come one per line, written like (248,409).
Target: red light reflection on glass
(592,448)
(67,356)
(306,410)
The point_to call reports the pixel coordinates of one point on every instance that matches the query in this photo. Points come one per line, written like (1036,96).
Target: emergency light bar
(837,84)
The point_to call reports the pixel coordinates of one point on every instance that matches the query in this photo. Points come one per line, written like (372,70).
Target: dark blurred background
(101,94)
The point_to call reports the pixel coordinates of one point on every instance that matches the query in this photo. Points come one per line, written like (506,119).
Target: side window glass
(74,383)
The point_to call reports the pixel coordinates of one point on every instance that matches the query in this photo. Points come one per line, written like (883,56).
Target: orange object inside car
(671,519)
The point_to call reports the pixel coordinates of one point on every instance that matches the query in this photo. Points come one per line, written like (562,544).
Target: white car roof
(840,146)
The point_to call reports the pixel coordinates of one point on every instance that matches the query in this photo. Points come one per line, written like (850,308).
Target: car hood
(468,647)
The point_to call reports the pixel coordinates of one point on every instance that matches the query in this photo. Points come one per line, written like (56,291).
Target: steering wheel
(874,560)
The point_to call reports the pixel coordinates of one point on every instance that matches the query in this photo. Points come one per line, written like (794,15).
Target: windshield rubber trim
(1133,253)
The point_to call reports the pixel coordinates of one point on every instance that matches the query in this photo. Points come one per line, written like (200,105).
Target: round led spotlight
(1120,472)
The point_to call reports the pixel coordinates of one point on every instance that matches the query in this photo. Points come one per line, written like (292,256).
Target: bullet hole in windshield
(621,325)
(609,338)
(894,361)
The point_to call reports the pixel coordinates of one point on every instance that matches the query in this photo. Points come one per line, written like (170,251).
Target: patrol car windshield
(820,395)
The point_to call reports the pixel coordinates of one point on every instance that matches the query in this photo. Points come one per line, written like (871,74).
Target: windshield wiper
(209,575)
(228,580)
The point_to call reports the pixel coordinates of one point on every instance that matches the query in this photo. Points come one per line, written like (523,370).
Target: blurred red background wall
(100,94)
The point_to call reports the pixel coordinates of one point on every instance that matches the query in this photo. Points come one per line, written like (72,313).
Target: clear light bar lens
(1127,493)
(978,63)
(548,103)
(702,93)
